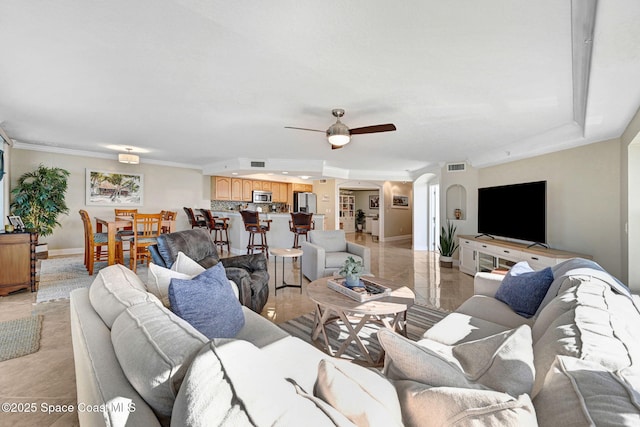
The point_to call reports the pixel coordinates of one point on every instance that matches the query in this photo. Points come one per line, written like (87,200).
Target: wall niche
(456,199)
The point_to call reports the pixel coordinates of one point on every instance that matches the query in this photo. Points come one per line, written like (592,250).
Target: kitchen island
(278,237)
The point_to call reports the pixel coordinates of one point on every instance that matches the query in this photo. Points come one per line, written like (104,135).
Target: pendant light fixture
(131,159)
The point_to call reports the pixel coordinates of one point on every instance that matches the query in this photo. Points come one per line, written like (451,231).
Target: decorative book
(367,292)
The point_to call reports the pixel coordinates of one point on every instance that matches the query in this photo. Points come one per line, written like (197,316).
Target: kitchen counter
(278,237)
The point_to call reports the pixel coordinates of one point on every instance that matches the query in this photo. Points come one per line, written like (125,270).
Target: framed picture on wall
(400,201)
(114,188)
(374,202)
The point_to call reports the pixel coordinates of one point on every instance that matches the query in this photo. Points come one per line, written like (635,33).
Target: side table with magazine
(388,309)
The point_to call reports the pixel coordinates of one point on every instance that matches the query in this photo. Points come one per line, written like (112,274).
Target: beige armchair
(326,250)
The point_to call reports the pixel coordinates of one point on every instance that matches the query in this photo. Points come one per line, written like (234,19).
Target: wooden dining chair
(146,229)
(167,216)
(93,243)
(125,212)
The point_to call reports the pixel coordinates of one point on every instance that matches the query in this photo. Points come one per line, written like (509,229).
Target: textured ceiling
(212,84)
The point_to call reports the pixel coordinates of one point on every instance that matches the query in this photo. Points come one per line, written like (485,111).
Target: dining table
(113,224)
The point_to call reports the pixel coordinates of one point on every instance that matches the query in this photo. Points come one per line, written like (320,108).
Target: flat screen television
(517,211)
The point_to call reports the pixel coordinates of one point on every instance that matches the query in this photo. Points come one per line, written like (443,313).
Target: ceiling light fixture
(131,159)
(338,133)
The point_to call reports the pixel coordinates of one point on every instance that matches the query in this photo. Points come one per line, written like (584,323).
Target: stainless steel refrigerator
(304,202)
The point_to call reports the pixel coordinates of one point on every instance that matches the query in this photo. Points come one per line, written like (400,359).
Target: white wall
(165,188)
(583,198)
(630,214)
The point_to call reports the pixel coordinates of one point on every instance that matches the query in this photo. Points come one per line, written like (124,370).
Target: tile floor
(48,376)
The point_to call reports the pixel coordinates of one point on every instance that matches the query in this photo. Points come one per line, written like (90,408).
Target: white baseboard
(69,251)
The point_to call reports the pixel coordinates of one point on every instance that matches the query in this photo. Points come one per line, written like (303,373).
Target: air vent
(456,167)
(323,181)
(257,164)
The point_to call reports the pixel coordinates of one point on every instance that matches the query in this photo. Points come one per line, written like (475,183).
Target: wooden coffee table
(331,305)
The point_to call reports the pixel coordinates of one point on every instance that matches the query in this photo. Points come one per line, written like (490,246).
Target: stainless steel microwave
(262,197)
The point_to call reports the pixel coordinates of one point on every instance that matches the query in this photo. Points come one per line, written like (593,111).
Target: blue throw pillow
(523,289)
(208,303)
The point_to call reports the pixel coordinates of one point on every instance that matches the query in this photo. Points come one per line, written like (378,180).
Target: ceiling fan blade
(313,130)
(373,129)
(335,147)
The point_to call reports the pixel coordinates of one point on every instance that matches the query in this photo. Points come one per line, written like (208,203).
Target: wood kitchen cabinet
(247,189)
(220,188)
(17,262)
(236,189)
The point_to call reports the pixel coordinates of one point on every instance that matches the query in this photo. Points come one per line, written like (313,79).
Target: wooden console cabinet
(481,254)
(17,262)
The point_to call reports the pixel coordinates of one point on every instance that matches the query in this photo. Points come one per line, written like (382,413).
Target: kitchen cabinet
(220,188)
(266,186)
(275,192)
(347,213)
(247,189)
(257,185)
(17,262)
(236,189)
(308,188)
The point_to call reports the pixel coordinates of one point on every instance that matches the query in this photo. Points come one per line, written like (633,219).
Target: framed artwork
(16,221)
(374,202)
(400,202)
(114,188)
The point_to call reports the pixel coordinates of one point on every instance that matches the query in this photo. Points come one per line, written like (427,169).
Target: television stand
(479,254)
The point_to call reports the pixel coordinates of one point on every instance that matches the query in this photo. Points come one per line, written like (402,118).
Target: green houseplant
(360,219)
(448,244)
(351,271)
(39,198)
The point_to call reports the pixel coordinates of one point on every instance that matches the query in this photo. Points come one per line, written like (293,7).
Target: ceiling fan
(339,134)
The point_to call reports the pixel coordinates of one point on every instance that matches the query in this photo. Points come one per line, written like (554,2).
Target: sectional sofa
(572,363)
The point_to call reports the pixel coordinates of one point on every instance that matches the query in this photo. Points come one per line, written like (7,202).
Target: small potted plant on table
(351,271)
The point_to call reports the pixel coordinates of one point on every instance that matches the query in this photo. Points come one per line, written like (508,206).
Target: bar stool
(300,224)
(217,225)
(196,222)
(252,224)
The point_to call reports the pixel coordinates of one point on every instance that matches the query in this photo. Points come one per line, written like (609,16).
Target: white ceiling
(211,84)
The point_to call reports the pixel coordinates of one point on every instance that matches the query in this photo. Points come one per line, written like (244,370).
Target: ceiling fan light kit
(339,134)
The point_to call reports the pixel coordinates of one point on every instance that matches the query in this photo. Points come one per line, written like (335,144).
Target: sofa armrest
(486,283)
(313,260)
(363,252)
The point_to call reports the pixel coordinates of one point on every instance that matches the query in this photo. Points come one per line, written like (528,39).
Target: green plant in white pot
(351,271)
(448,244)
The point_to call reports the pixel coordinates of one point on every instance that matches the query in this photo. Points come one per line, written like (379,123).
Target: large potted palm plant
(448,244)
(39,198)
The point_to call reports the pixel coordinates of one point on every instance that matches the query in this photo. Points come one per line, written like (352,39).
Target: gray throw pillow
(208,303)
(523,289)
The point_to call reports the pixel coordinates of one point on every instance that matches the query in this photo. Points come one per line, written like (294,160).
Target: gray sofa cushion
(330,240)
(154,348)
(598,325)
(219,390)
(426,406)
(580,393)
(116,288)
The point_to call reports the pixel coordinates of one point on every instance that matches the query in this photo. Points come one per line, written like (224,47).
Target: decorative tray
(367,292)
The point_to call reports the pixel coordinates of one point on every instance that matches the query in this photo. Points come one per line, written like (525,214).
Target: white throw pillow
(426,406)
(363,396)
(158,281)
(186,265)
(501,362)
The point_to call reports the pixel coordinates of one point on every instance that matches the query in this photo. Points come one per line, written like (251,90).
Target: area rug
(419,319)
(19,337)
(59,276)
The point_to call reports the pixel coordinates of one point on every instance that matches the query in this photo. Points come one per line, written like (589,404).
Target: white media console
(486,254)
